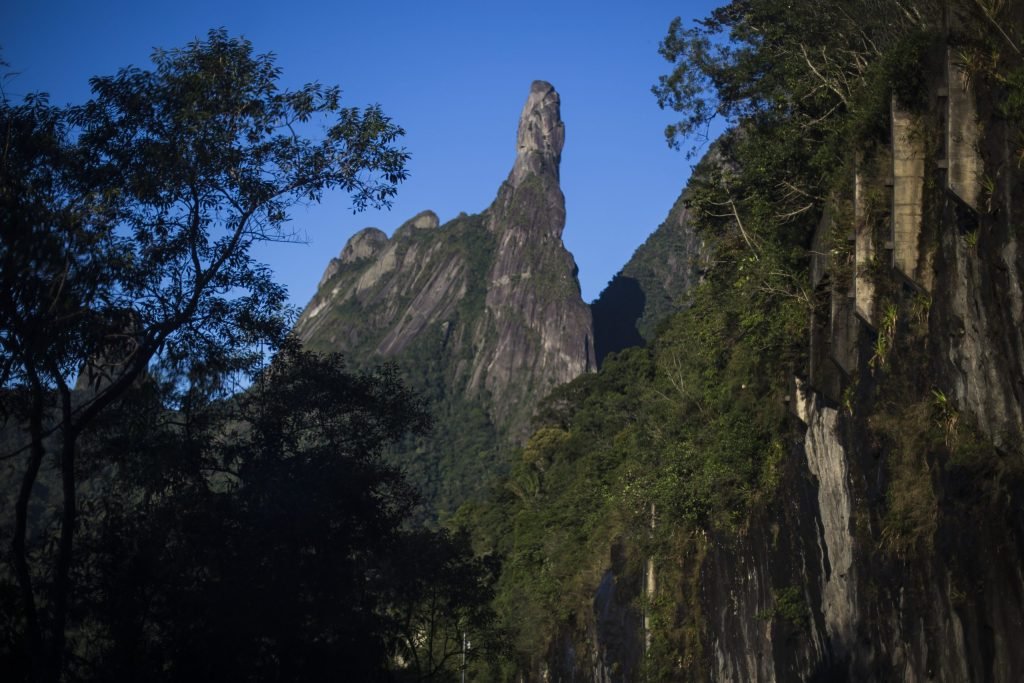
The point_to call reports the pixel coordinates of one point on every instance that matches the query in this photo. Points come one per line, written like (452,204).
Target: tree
(808,63)
(440,605)
(127,226)
(267,539)
(798,83)
(259,547)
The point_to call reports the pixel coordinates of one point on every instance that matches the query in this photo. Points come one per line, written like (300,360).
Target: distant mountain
(483,314)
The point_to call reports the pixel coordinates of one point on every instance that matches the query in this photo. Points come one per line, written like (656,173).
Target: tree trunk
(37,451)
(62,582)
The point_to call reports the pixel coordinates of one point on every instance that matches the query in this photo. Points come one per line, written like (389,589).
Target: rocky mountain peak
(424,220)
(541,134)
(363,245)
(483,313)
(543,329)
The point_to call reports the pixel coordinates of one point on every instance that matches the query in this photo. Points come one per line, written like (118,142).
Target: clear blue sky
(453,74)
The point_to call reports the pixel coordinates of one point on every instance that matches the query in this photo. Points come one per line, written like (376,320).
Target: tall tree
(127,229)
(810,64)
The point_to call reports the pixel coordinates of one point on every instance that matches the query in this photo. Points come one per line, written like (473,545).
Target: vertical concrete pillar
(864,250)
(907,191)
(964,163)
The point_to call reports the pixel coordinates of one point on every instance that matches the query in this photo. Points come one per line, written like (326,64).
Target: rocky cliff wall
(911,550)
(893,548)
(542,331)
(484,311)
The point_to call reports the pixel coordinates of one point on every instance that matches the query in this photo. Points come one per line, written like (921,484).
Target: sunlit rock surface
(491,301)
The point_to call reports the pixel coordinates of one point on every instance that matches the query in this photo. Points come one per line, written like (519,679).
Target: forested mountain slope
(815,471)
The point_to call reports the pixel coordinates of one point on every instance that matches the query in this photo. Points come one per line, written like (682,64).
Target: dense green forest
(211,501)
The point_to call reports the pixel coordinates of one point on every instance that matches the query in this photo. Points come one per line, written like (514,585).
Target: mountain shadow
(616,314)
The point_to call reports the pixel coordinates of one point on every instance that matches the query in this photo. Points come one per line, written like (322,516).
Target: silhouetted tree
(270,543)
(127,225)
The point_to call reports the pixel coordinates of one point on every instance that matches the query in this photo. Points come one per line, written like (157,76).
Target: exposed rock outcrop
(892,547)
(903,527)
(540,136)
(489,303)
(534,311)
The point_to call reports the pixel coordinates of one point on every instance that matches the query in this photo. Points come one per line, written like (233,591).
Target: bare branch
(825,81)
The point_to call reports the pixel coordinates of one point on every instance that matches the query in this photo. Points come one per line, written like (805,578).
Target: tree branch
(18,549)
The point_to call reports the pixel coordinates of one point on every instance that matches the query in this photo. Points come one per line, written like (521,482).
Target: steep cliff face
(889,544)
(483,312)
(905,499)
(534,312)
(815,591)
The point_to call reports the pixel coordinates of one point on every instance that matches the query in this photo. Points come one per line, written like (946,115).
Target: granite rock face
(534,310)
(363,245)
(942,598)
(540,137)
(490,301)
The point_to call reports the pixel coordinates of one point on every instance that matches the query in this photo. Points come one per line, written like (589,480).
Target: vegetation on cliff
(454,460)
(688,438)
(168,527)
(484,315)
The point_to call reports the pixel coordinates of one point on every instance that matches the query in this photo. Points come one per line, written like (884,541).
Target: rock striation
(540,136)
(484,311)
(533,307)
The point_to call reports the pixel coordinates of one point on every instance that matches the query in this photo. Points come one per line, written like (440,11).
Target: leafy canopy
(127,225)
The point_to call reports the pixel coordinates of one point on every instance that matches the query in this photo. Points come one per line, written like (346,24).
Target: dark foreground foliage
(159,524)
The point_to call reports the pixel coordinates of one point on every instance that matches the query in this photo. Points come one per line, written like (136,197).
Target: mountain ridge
(484,309)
